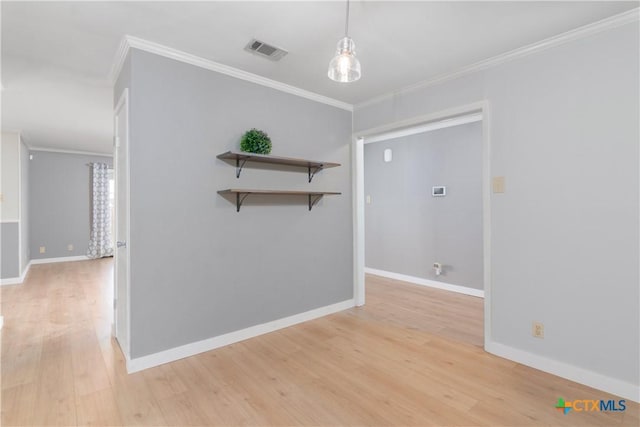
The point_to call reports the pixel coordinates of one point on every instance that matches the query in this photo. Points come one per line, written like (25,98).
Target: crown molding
(614,21)
(62,151)
(118,60)
(129,42)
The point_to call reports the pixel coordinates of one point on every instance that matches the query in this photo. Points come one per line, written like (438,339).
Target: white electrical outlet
(437,267)
(537,330)
(69,247)
(368,198)
(43,249)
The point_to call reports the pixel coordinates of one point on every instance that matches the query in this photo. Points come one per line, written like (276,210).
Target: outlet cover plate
(537,330)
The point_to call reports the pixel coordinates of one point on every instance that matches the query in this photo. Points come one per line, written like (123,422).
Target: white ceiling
(56,56)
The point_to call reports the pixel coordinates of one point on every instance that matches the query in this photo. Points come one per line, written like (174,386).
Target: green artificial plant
(255,141)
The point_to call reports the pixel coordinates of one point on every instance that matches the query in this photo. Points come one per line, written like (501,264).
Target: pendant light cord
(346,25)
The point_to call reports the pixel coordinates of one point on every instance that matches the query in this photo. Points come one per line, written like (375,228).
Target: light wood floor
(410,357)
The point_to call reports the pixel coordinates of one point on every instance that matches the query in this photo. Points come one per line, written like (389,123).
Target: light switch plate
(498,184)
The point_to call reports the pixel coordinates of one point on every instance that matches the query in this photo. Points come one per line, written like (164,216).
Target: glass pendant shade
(345,67)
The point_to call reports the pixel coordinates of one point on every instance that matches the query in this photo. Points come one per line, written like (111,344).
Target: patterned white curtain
(100,244)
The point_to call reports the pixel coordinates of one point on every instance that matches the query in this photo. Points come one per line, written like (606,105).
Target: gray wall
(406,229)
(59,203)
(10,263)
(198,268)
(564,132)
(24,205)
(10,205)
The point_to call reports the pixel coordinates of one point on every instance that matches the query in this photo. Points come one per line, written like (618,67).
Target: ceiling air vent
(266,50)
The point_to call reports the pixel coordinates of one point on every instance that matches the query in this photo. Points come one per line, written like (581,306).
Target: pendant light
(345,67)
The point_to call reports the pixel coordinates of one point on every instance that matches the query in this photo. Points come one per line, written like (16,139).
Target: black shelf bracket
(313,200)
(239,165)
(314,170)
(239,199)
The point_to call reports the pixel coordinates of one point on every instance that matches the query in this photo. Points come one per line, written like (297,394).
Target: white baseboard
(19,280)
(16,280)
(426,282)
(60,259)
(11,281)
(583,376)
(173,354)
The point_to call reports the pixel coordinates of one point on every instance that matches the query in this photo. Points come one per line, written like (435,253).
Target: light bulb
(345,67)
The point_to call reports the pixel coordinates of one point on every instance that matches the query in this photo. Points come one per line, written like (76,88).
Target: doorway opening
(422,221)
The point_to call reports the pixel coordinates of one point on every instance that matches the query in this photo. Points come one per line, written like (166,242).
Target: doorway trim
(358,138)
(123,102)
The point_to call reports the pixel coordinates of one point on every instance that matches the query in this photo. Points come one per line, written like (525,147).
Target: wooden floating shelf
(242,193)
(312,166)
